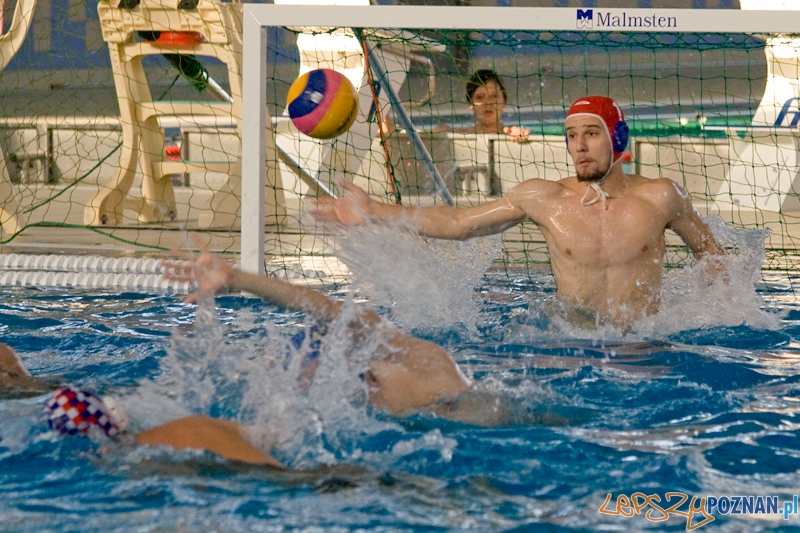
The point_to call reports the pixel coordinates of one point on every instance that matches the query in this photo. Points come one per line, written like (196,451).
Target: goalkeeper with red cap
(604,229)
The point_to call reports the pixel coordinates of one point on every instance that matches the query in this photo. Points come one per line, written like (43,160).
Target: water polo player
(604,229)
(405,375)
(70,410)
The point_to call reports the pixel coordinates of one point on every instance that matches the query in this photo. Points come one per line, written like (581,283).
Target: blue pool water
(704,410)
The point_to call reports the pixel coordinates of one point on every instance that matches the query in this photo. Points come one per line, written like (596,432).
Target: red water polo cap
(610,114)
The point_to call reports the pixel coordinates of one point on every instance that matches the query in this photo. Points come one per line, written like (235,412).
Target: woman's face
(488,103)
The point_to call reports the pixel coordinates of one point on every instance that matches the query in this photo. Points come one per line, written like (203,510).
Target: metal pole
(405,122)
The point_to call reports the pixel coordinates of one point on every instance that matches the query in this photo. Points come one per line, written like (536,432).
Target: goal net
(709,105)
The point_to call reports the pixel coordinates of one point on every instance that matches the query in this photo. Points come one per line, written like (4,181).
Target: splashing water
(426,283)
(258,378)
(318,419)
(695,298)
(262,380)
(429,283)
(191,374)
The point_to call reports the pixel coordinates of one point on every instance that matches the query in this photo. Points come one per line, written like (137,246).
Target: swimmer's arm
(212,274)
(407,373)
(287,295)
(441,222)
(222,437)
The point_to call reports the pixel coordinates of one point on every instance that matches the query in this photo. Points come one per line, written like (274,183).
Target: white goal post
(257,133)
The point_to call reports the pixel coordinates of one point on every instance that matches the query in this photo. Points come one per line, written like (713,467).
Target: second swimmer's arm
(287,295)
(212,274)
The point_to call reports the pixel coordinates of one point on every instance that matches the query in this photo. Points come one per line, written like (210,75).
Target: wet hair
(480,78)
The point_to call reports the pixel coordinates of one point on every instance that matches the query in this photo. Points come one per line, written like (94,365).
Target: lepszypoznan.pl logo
(696,511)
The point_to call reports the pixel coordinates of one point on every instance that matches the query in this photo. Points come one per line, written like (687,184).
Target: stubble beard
(597,175)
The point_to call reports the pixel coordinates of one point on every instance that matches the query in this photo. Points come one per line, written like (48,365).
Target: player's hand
(353,209)
(209,272)
(517,133)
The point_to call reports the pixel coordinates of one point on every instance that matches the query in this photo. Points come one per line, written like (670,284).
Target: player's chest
(626,224)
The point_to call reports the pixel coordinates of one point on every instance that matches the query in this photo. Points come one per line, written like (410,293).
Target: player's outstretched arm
(406,374)
(441,222)
(212,275)
(222,437)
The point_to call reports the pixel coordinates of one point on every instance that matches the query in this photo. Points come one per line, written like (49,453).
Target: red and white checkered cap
(73,411)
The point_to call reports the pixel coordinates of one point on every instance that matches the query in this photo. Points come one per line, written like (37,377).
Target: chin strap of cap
(600,194)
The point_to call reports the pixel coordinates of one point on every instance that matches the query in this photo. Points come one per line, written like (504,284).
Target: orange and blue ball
(322,103)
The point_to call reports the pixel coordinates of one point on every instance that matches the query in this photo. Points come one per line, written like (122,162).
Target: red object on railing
(173,153)
(179,38)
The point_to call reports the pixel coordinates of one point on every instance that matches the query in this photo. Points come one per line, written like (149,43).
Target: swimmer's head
(610,115)
(482,77)
(72,411)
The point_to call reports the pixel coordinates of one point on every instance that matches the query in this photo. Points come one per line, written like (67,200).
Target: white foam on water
(693,298)
(261,381)
(259,378)
(425,282)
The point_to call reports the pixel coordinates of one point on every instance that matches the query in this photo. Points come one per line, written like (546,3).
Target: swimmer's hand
(210,273)
(517,134)
(353,209)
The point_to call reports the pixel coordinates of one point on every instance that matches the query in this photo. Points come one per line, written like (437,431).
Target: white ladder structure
(10,43)
(220,25)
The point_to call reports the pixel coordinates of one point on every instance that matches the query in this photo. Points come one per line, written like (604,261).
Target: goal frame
(259,17)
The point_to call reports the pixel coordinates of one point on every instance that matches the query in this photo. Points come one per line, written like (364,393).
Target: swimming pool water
(707,411)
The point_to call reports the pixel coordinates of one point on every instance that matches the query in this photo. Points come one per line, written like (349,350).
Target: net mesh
(134,143)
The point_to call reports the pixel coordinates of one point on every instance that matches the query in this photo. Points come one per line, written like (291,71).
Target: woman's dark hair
(480,78)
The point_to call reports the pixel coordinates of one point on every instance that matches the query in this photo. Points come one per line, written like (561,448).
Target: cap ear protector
(619,138)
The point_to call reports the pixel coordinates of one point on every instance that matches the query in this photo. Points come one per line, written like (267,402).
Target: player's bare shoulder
(659,190)
(665,194)
(535,190)
(543,186)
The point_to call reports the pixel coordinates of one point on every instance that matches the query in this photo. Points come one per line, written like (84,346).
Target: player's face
(589,147)
(488,103)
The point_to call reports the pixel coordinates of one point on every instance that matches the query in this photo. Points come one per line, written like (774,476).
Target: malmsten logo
(586,19)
